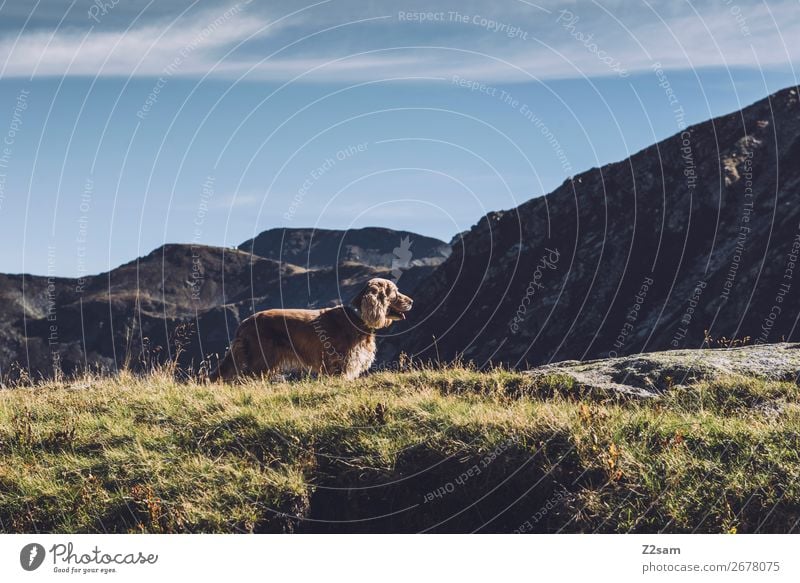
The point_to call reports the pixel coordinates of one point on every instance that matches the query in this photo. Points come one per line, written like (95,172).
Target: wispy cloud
(198,41)
(351,42)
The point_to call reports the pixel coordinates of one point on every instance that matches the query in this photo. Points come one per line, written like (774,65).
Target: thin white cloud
(324,44)
(193,43)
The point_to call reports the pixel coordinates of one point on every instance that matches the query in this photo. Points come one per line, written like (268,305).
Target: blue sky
(127,125)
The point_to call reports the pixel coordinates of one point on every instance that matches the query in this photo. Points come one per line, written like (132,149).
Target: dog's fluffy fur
(338,340)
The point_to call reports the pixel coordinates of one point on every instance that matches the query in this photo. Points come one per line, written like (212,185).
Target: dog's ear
(372,304)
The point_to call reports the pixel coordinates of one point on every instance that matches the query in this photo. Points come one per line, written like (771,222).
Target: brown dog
(338,340)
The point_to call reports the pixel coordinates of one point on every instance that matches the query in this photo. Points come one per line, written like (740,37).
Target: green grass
(150,454)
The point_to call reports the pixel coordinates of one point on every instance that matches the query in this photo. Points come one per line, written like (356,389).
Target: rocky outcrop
(655,373)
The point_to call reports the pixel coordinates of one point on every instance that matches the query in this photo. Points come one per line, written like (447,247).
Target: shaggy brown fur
(338,340)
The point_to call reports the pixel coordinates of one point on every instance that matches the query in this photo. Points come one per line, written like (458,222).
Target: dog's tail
(232,364)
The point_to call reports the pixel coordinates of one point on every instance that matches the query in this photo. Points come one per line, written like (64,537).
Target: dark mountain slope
(698,232)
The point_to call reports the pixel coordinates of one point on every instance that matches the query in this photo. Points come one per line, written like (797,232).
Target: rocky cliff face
(185,301)
(697,234)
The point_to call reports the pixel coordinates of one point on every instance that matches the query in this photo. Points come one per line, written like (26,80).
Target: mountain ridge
(671,211)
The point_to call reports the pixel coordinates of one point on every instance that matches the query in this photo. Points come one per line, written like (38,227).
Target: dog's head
(380,303)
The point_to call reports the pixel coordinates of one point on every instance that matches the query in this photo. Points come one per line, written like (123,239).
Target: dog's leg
(220,372)
(234,363)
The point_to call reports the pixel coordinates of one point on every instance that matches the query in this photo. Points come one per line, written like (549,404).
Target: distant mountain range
(374,246)
(189,299)
(693,240)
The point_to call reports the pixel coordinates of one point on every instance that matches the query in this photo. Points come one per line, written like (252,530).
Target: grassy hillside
(438,450)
